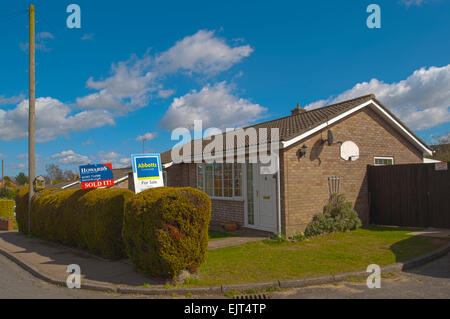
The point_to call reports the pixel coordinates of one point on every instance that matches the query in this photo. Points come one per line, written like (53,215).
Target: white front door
(263,205)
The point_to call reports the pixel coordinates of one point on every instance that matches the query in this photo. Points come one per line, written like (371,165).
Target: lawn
(214,234)
(330,254)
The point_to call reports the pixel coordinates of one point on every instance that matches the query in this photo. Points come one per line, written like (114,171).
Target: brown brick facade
(227,211)
(304,183)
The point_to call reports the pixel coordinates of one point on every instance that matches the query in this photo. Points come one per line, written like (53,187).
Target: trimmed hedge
(7,208)
(166,230)
(22,209)
(87,219)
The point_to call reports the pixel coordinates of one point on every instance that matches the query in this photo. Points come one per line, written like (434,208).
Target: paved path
(428,281)
(51,259)
(17,283)
(231,241)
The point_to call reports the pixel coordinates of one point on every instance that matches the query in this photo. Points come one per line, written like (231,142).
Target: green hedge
(166,230)
(87,219)
(22,209)
(7,208)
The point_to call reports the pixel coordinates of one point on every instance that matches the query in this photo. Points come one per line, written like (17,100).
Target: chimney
(297,110)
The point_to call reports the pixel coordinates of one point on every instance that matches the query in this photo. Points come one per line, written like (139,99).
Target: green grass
(320,256)
(214,234)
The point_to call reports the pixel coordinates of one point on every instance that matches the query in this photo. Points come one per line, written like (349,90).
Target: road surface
(428,281)
(431,280)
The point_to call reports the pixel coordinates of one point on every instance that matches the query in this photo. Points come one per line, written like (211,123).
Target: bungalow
(321,151)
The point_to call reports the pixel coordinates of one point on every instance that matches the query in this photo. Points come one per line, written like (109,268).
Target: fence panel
(409,195)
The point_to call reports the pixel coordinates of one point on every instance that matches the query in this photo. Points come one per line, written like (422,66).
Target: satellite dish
(349,151)
(330,137)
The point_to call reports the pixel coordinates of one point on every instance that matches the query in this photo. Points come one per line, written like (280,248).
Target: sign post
(96,175)
(147,171)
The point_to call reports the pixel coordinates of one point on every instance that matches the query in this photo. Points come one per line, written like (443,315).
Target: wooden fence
(410,195)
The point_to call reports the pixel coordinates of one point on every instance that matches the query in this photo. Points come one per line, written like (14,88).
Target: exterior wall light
(302,151)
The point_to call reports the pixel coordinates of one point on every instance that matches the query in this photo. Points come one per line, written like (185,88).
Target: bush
(7,208)
(22,209)
(166,230)
(8,193)
(338,215)
(87,219)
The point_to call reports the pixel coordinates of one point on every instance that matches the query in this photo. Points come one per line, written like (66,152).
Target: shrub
(338,215)
(7,208)
(166,230)
(22,209)
(8,193)
(87,219)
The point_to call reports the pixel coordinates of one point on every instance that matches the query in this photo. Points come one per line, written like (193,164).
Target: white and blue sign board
(147,171)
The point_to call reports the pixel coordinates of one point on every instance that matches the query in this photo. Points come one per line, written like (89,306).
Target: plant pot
(230,226)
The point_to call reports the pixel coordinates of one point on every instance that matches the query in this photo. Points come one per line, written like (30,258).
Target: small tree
(54,173)
(21,179)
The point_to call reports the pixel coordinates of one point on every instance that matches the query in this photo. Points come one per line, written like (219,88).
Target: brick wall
(304,182)
(227,211)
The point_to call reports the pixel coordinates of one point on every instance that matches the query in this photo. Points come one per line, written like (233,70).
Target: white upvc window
(383,160)
(220,180)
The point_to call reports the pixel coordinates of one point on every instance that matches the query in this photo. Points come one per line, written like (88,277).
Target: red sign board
(97,175)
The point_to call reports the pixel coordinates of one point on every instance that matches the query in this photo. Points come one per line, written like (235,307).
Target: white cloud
(131,85)
(421,101)
(128,87)
(443,139)
(165,93)
(133,82)
(87,36)
(53,119)
(409,3)
(87,142)
(215,105)
(70,158)
(146,137)
(202,52)
(117,160)
(4,100)
(42,39)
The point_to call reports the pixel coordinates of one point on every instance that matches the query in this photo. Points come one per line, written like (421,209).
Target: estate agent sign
(96,175)
(147,171)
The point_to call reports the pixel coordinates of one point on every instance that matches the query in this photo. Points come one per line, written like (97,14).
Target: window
(209,186)
(380,161)
(227,180)
(220,180)
(200,178)
(237,179)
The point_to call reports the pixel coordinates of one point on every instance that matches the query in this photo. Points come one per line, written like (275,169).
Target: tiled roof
(297,124)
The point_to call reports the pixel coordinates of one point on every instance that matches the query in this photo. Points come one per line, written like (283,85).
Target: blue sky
(146,67)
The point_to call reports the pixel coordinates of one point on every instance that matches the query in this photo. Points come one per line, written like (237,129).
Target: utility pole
(143,145)
(31,115)
(3,177)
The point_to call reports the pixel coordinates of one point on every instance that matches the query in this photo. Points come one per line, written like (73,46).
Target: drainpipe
(279,196)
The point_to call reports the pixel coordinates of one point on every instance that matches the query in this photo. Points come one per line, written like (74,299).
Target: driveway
(428,281)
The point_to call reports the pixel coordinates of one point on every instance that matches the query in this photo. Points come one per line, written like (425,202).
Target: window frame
(383,158)
(203,169)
